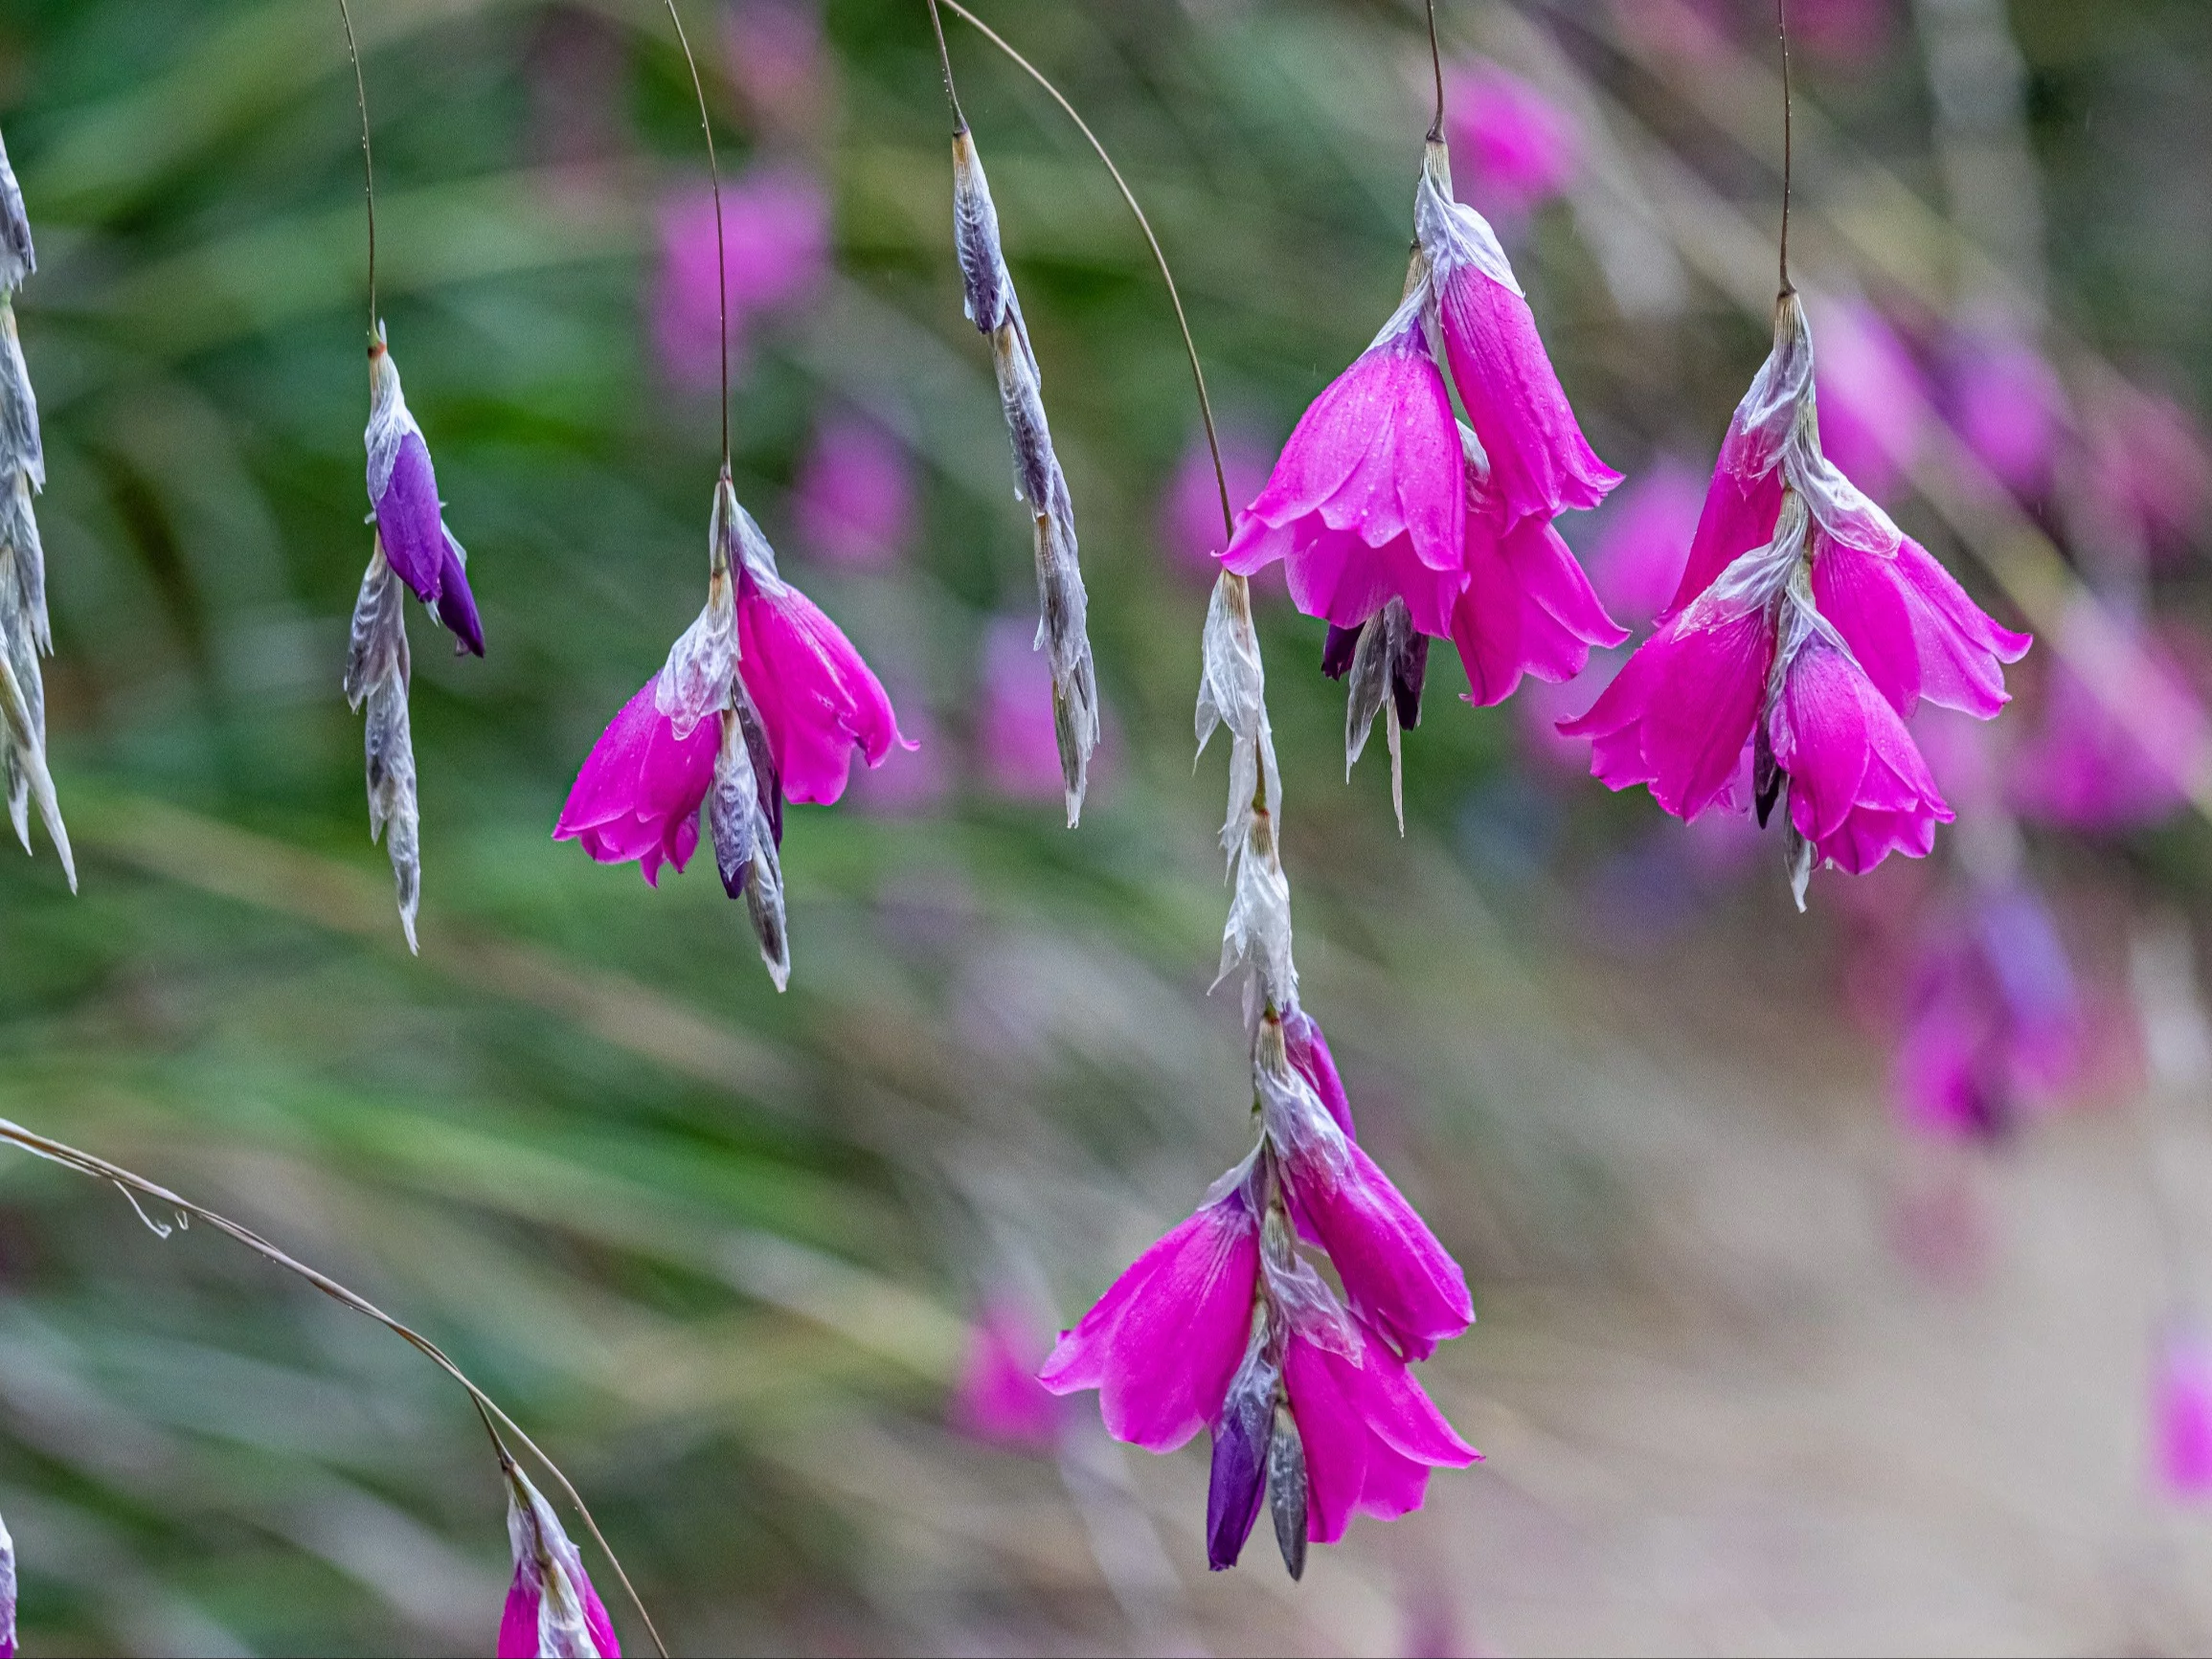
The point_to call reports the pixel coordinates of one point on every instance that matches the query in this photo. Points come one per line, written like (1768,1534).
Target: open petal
(818,699)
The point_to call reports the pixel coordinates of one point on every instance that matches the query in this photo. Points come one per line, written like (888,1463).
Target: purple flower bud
(553,1612)
(1339,649)
(1241,1436)
(410,518)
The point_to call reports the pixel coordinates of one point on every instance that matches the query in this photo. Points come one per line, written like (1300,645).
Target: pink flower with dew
(1369,500)
(1190,510)
(1521,149)
(2084,767)
(1528,609)
(2151,463)
(1371,1434)
(1540,464)
(2181,1412)
(1874,400)
(819,702)
(2008,405)
(552,1611)
(1640,539)
(998,1396)
(854,500)
(1995,1026)
(1019,748)
(775,239)
(639,793)
(1858,787)
(774,54)
(1162,1345)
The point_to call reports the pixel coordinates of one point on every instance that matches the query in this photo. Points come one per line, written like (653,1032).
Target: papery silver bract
(744,818)
(23,589)
(1062,627)
(21,447)
(28,780)
(553,1611)
(377,668)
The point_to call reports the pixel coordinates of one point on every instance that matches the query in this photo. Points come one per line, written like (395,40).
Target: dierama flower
(1807,629)
(24,632)
(410,518)
(1063,606)
(1381,498)
(854,501)
(1522,148)
(552,1611)
(774,252)
(2083,767)
(2008,405)
(762,700)
(998,1396)
(2181,1412)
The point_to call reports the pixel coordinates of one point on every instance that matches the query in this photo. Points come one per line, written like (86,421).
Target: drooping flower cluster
(1806,630)
(1062,629)
(1224,1324)
(415,549)
(1385,506)
(24,632)
(552,1611)
(762,700)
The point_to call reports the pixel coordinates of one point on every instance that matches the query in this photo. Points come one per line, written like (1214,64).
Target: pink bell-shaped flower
(639,793)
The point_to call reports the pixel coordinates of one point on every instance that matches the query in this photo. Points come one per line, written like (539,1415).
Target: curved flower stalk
(996,310)
(762,700)
(25,635)
(548,1548)
(1807,629)
(1224,1324)
(1393,518)
(552,1611)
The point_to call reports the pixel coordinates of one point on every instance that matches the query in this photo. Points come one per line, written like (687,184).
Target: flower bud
(1240,1453)
(553,1612)
(1286,1489)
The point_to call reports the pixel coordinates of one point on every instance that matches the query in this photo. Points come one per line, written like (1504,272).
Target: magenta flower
(1641,540)
(1369,500)
(1528,609)
(1308,1052)
(855,496)
(761,701)
(775,243)
(639,793)
(2181,1412)
(2084,767)
(1522,148)
(552,1612)
(1371,1433)
(998,1396)
(410,518)
(2008,405)
(1806,621)
(1190,510)
(1162,1343)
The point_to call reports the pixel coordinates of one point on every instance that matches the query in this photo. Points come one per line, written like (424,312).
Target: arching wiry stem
(946,61)
(1437,65)
(368,165)
(1782,28)
(721,245)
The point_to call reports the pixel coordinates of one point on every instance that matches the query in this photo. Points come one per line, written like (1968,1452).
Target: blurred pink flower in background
(1018,751)
(776,235)
(1848,32)
(2008,405)
(2151,463)
(1190,509)
(998,1398)
(1517,148)
(854,500)
(1641,539)
(915,778)
(1873,399)
(2181,1411)
(773,51)
(1543,707)
(2082,768)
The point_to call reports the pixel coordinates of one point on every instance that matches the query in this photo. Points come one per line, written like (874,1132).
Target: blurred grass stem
(495,1415)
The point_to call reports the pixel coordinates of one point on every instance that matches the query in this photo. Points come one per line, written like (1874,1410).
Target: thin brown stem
(1788,140)
(1437,64)
(368,165)
(946,61)
(721,245)
(1182,320)
(494,1415)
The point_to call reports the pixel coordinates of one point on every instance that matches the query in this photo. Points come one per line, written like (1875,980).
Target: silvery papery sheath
(24,631)
(1233,693)
(996,311)
(376,672)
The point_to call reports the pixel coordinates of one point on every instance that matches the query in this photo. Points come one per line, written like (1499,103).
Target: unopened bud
(1286,1489)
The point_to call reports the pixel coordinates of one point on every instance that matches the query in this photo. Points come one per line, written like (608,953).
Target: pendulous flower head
(410,518)
(639,793)
(552,1611)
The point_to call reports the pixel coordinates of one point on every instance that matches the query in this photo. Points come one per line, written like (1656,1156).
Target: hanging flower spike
(731,733)
(1807,627)
(993,308)
(6,1564)
(24,631)
(410,518)
(552,1612)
